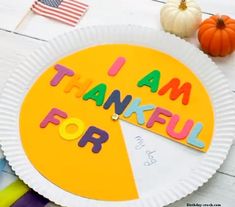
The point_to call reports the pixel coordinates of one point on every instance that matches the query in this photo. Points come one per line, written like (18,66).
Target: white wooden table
(37,30)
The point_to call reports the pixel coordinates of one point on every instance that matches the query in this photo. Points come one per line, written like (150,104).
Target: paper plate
(163,171)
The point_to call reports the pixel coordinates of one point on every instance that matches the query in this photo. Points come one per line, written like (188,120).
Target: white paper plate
(200,168)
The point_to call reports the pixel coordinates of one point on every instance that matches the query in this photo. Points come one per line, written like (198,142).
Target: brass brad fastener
(115,117)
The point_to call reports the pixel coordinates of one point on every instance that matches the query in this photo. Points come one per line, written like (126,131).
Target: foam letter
(139,110)
(151,80)
(81,86)
(115,98)
(193,137)
(155,116)
(97,94)
(174,84)
(90,136)
(184,132)
(62,71)
(68,122)
(117,65)
(50,117)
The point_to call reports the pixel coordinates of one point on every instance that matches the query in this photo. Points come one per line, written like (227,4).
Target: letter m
(177,90)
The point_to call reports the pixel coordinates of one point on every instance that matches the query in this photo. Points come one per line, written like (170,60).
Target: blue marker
(2,164)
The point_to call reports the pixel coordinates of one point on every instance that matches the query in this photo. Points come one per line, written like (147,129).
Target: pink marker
(117,65)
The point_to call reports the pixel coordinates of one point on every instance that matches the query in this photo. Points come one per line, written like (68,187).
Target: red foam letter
(176,91)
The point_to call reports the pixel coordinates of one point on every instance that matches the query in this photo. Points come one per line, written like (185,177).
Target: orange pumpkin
(217,35)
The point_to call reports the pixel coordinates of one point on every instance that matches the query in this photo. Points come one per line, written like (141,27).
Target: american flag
(67,11)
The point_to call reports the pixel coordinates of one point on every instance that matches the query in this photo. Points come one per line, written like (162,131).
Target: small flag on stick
(66,11)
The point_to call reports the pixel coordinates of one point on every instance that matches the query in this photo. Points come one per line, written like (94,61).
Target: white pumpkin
(181,17)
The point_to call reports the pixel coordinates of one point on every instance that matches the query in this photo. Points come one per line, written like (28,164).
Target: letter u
(183,133)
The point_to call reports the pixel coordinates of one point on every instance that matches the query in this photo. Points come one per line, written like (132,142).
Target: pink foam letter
(117,65)
(155,116)
(184,132)
(50,117)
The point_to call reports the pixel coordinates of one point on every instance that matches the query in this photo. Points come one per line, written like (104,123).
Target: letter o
(71,121)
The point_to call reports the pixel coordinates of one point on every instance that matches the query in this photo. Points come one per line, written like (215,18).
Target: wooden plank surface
(11,12)
(15,47)
(218,190)
(141,12)
(215,6)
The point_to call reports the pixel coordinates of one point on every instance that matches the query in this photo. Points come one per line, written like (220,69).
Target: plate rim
(25,74)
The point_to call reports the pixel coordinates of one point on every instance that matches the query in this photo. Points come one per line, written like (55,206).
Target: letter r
(89,136)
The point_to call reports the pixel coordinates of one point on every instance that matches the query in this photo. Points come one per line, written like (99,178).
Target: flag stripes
(66,11)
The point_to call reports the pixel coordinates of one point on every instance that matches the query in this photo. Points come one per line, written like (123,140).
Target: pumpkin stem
(183,5)
(220,23)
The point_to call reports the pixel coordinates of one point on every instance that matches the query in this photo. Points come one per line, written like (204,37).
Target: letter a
(151,80)
(97,94)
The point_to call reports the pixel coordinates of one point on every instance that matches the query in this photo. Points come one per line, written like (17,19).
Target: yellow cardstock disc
(83,97)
